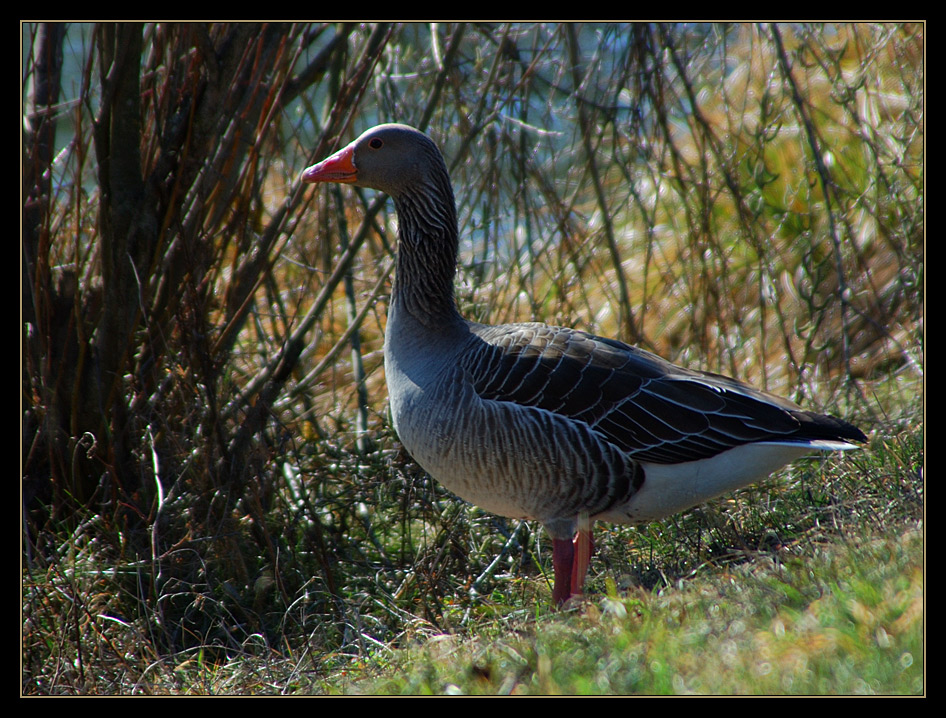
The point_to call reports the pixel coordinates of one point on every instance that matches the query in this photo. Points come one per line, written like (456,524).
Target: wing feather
(651,409)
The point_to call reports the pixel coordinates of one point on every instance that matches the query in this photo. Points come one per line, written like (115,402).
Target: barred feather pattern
(649,408)
(549,423)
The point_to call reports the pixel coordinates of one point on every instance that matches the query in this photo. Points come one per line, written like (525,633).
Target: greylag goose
(548,423)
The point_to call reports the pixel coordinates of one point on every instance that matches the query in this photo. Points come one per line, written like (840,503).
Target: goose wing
(651,409)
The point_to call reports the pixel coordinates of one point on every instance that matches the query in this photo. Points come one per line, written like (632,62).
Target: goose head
(395,159)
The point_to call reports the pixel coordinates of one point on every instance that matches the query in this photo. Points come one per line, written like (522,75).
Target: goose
(548,423)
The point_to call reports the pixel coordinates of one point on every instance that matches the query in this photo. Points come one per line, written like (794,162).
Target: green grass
(834,607)
(811,583)
(844,619)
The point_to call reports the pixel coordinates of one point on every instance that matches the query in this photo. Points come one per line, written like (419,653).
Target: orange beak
(340,167)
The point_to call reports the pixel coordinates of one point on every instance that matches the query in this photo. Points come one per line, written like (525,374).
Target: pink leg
(570,560)
(563,559)
(584,547)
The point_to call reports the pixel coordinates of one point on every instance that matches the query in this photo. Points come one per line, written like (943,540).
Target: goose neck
(426,257)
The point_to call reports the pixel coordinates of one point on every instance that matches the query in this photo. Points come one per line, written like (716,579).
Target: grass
(845,619)
(809,584)
(833,606)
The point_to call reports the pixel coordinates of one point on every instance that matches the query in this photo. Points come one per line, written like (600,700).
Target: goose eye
(375,144)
